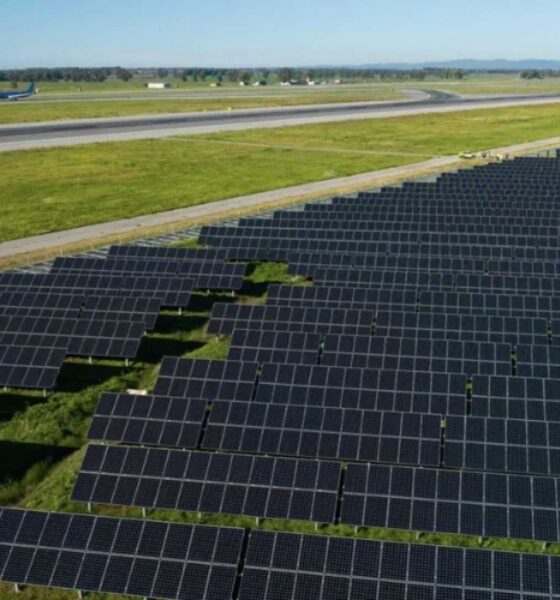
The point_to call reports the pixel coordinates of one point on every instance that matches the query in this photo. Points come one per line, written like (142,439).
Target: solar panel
(165,253)
(516,398)
(40,313)
(106,339)
(502,445)
(208,379)
(39,300)
(258,486)
(255,345)
(174,292)
(447,501)
(31,366)
(287,565)
(131,308)
(476,328)
(225,318)
(302,220)
(149,420)
(326,433)
(306,263)
(388,280)
(489,304)
(417,354)
(212,236)
(341,297)
(342,387)
(216,275)
(123,556)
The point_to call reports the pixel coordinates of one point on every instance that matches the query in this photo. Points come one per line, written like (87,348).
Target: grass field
(499,84)
(42,441)
(26,112)
(61,188)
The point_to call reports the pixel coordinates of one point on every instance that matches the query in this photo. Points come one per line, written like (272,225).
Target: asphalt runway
(67,133)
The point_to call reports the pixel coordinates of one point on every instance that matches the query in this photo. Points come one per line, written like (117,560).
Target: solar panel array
(170,560)
(97,307)
(413,386)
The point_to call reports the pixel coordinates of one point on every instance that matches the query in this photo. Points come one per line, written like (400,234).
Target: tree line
(285,74)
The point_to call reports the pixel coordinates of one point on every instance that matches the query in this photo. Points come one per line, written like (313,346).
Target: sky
(237,33)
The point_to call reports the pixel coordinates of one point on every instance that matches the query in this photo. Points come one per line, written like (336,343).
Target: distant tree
(531,74)
(14,84)
(286,75)
(233,75)
(123,74)
(245,77)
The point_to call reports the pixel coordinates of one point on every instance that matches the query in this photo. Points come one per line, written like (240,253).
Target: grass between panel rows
(61,188)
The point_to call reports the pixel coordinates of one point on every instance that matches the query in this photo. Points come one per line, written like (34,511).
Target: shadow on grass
(179,325)
(153,349)
(77,376)
(259,276)
(254,289)
(13,402)
(16,458)
(205,302)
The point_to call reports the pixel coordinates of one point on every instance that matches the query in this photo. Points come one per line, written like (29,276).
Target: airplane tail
(31,88)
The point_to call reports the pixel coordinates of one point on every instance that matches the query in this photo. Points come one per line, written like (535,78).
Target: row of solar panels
(38,331)
(398,323)
(328,211)
(326,418)
(358,494)
(171,560)
(375,299)
(291,222)
(305,263)
(436,210)
(210,275)
(279,250)
(256,344)
(434,281)
(221,236)
(172,292)
(97,307)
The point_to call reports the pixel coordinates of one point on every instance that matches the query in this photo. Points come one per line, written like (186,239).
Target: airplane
(17,94)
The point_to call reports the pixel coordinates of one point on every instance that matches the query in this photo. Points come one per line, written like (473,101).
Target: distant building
(158,85)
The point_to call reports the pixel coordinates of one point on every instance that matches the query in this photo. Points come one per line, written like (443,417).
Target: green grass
(33,111)
(498,84)
(61,188)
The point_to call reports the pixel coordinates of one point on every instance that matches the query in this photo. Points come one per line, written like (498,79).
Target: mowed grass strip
(56,189)
(33,111)
(61,188)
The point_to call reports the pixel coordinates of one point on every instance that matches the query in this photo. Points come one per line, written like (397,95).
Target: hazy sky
(272,32)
